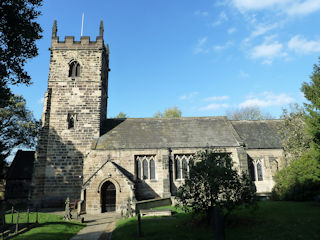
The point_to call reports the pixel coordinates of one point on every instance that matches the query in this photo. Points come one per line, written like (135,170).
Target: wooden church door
(108,197)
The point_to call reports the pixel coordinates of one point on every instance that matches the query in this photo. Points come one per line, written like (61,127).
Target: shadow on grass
(51,231)
(272,220)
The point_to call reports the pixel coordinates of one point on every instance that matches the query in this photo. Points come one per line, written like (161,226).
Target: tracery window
(252,173)
(274,165)
(184,168)
(145,169)
(259,172)
(181,163)
(152,169)
(138,166)
(74,69)
(145,166)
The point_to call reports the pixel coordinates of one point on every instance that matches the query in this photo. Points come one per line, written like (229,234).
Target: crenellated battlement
(70,43)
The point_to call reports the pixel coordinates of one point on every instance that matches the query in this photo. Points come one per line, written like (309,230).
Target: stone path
(99,227)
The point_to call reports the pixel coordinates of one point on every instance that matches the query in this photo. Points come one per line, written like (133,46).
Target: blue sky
(205,56)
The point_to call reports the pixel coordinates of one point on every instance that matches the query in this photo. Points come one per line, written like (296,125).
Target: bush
(300,181)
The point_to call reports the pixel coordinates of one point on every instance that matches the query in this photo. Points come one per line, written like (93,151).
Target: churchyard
(271,220)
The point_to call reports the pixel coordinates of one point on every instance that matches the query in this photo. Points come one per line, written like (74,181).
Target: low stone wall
(147,204)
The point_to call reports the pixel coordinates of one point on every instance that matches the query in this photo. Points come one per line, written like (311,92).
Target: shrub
(300,181)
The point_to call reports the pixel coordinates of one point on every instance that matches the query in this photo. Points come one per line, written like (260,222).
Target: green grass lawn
(272,220)
(52,227)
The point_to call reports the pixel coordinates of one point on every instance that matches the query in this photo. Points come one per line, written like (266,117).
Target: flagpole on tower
(82,24)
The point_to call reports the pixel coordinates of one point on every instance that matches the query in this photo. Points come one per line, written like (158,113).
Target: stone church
(108,162)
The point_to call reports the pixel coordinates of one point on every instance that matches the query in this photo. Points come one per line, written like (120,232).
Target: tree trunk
(217,222)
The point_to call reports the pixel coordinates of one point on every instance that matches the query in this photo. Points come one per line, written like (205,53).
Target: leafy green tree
(296,141)
(248,113)
(169,113)
(312,93)
(121,115)
(300,181)
(213,185)
(17,127)
(18,33)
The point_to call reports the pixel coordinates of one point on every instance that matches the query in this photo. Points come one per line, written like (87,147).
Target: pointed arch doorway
(108,197)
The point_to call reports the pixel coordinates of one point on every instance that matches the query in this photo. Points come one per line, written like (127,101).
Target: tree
(121,115)
(312,93)
(17,127)
(300,181)
(169,113)
(296,141)
(18,33)
(248,113)
(213,184)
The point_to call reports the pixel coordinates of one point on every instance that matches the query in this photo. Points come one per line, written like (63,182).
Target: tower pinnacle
(101,29)
(54,29)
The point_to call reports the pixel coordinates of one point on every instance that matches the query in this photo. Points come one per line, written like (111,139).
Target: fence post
(17,224)
(12,215)
(37,217)
(139,225)
(28,216)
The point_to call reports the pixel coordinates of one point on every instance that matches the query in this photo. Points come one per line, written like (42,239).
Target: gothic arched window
(138,165)
(184,168)
(74,69)
(259,172)
(152,169)
(178,168)
(145,169)
(251,169)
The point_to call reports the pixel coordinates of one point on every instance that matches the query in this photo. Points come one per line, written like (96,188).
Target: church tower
(75,105)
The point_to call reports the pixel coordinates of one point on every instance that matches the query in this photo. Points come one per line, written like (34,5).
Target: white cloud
(302,45)
(289,7)
(263,29)
(304,8)
(268,51)
(188,96)
(222,47)
(231,30)
(201,13)
(267,99)
(221,19)
(249,5)
(214,106)
(200,46)
(216,98)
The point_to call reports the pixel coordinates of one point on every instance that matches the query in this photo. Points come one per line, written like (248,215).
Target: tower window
(74,69)
(72,117)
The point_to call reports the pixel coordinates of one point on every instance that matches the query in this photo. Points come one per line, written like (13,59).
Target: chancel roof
(259,134)
(151,133)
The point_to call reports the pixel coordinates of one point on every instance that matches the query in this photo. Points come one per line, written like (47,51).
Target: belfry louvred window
(74,69)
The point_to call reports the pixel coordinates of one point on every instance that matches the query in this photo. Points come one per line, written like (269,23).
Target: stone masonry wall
(95,172)
(271,161)
(59,165)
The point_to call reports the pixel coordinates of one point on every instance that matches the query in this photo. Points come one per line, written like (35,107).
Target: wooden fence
(17,223)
